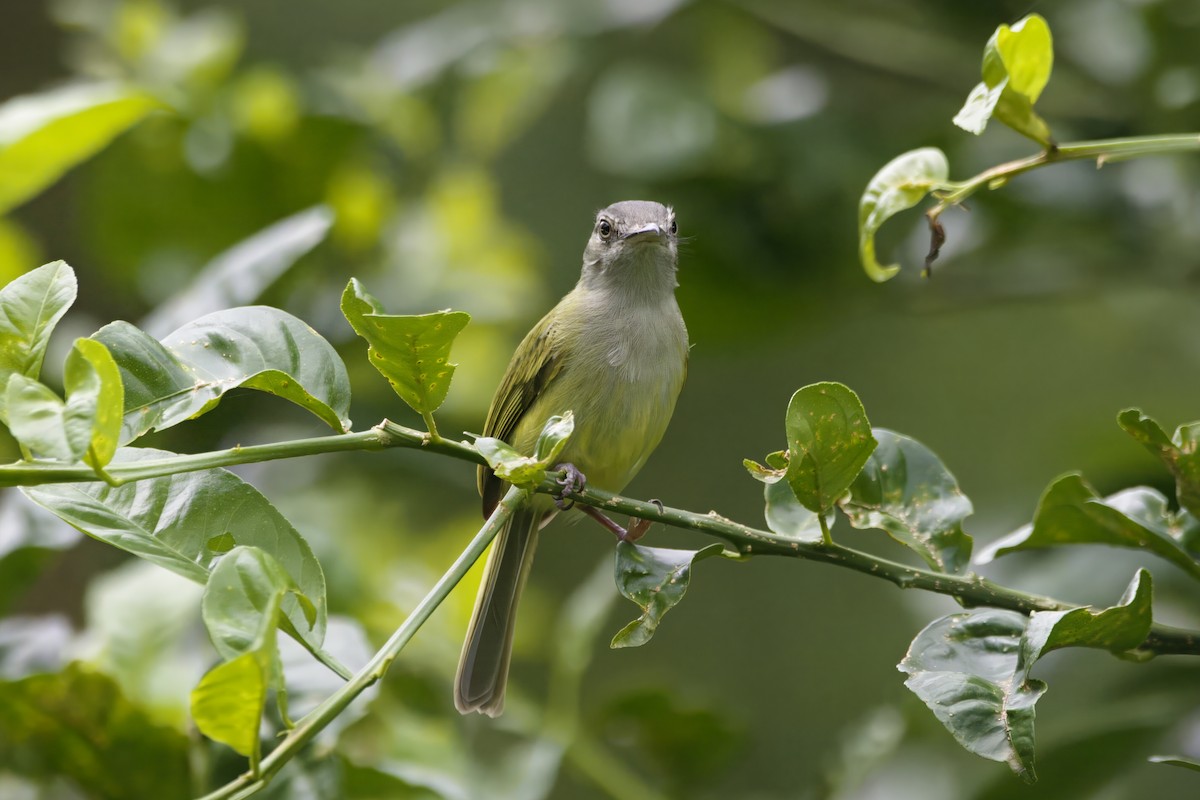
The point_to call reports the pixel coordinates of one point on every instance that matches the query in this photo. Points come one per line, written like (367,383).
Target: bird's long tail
(483,665)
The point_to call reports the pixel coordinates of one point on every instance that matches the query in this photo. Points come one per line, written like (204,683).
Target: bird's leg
(637,527)
(572,481)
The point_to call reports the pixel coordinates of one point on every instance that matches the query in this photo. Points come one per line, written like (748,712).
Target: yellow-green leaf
(1017,62)
(44,135)
(227,704)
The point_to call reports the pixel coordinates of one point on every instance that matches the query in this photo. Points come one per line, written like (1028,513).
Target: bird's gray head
(633,242)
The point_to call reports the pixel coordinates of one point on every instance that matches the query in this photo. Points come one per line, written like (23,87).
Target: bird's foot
(572,481)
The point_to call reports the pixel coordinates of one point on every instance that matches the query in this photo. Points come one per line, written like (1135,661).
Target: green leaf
(655,579)
(412,352)
(528,471)
(1181,452)
(553,438)
(510,465)
(905,490)
(786,517)
(242,607)
(242,600)
(85,427)
(978,109)
(252,348)
(239,275)
(30,307)
(900,184)
(1070,512)
(94,392)
(77,725)
(44,135)
(37,419)
(1118,629)
(1176,761)
(227,704)
(774,471)
(171,521)
(829,441)
(1016,67)
(962,667)
(972,669)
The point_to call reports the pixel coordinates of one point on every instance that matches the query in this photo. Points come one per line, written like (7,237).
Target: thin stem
(322,715)
(1102,150)
(826,535)
(431,425)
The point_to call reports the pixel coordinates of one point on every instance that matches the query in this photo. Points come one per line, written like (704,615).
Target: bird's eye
(605,228)
(673,228)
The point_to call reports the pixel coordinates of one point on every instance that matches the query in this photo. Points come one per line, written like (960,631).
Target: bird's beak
(653,230)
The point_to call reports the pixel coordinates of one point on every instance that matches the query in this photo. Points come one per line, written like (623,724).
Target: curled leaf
(900,184)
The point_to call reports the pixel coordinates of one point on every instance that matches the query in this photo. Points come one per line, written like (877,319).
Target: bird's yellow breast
(621,379)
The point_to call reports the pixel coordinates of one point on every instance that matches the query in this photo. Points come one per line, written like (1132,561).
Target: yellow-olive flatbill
(613,351)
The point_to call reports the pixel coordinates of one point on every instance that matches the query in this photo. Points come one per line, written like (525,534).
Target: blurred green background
(463,148)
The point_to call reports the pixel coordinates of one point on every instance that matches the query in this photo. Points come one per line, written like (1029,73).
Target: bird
(614,351)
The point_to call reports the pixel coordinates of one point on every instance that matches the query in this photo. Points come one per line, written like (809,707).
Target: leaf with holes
(972,669)
(829,440)
(412,352)
(655,579)
(905,490)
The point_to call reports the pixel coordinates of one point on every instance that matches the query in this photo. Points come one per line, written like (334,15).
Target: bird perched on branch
(613,351)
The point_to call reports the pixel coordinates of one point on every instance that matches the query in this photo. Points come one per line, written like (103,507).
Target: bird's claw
(572,481)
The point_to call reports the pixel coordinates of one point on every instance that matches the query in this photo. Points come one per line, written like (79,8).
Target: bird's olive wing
(533,366)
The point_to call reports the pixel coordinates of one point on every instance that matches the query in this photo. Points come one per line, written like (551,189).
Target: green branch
(970,590)
(1103,151)
(315,721)
(386,434)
